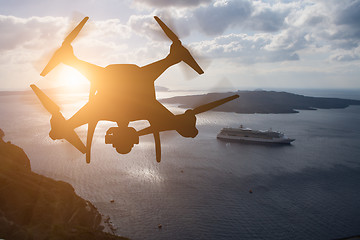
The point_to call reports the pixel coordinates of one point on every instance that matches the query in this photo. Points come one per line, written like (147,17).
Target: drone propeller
(69,134)
(48,104)
(187,58)
(56,58)
(75,32)
(170,34)
(209,106)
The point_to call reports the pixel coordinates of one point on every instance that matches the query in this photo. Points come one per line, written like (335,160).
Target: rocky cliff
(37,207)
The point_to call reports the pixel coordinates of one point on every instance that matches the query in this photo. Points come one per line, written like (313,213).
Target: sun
(71,78)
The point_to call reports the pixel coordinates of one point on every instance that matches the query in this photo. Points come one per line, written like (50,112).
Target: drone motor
(122,139)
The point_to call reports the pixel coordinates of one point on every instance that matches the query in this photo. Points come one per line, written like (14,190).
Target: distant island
(262,102)
(33,206)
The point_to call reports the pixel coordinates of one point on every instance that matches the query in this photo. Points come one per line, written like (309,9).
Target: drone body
(122,93)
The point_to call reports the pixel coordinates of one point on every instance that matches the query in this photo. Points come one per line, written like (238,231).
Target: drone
(122,93)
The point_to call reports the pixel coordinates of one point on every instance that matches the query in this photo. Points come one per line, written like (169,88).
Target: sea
(205,188)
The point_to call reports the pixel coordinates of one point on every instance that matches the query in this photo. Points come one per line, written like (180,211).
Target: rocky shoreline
(33,206)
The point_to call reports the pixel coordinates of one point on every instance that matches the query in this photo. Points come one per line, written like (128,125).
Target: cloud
(237,31)
(243,48)
(32,32)
(28,43)
(173,3)
(275,30)
(346,55)
(31,38)
(268,18)
(104,41)
(292,39)
(295,25)
(145,25)
(347,22)
(345,58)
(215,19)
(338,23)
(349,14)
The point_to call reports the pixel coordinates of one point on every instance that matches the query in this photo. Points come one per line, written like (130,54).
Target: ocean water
(201,189)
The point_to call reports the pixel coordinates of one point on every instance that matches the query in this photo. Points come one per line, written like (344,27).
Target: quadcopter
(122,93)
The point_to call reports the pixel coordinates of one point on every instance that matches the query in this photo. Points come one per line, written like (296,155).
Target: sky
(240,44)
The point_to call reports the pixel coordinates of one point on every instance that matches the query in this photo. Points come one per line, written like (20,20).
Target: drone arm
(83,116)
(153,70)
(185,123)
(92,91)
(89,70)
(147,131)
(162,120)
(151,129)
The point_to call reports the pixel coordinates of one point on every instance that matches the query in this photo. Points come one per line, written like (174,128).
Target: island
(33,206)
(262,102)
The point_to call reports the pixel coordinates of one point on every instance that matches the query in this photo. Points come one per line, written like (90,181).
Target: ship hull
(255,140)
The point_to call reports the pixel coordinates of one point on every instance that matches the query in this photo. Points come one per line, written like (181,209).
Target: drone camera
(122,139)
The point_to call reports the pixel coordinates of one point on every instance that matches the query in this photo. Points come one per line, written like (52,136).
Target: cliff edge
(36,207)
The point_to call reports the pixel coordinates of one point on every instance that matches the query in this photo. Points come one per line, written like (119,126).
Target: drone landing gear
(122,139)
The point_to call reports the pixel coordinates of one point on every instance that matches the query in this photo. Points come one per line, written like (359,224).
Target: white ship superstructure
(249,135)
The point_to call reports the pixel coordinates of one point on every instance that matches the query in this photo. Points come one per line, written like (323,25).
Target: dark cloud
(267,20)
(243,14)
(314,20)
(337,26)
(350,15)
(215,19)
(339,42)
(344,23)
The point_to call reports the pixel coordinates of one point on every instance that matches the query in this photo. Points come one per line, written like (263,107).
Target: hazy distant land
(262,102)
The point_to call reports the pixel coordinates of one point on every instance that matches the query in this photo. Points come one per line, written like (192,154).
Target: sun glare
(71,78)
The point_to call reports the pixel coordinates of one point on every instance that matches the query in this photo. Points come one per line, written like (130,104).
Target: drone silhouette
(122,93)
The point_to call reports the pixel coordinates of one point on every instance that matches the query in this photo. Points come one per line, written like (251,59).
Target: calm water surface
(200,190)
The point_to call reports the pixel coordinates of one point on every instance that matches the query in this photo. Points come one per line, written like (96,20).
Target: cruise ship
(242,134)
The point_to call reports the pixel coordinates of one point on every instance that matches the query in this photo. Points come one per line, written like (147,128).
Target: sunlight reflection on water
(146,174)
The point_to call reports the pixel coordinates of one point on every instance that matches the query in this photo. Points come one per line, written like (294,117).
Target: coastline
(33,206)
(250,102)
